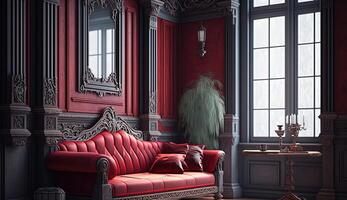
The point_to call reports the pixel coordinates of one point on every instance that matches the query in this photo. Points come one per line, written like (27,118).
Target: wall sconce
(202,40)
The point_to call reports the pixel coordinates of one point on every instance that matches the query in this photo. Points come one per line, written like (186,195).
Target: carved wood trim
(174,194)
(87,82)
(196,192)
(180,9)
(108,122)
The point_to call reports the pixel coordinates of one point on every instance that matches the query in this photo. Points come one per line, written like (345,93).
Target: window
(101,48)
(284,66)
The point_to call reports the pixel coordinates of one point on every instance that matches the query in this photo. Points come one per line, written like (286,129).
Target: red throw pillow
(194,158)
(170,147)
(169,163)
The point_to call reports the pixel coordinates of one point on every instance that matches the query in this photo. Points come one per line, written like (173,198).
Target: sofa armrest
(212,160)
(85,162)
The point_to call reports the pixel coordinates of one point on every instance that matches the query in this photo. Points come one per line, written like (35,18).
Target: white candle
(292,119)
(287,120)
(303,121)
(296,118)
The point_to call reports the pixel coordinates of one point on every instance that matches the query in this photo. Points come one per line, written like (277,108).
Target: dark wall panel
(340,53)
(266,173)
(17,173)
(307,174)
(264,176)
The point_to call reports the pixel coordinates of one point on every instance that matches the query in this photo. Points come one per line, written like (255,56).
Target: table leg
(289,181)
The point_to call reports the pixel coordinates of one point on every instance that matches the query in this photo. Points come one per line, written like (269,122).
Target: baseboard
(274,194)
(232,191)
(341,196)
(326,194)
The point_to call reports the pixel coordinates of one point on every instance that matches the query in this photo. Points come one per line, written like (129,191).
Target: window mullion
(291,62)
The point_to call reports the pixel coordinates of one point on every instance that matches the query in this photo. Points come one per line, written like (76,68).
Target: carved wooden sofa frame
(103,191)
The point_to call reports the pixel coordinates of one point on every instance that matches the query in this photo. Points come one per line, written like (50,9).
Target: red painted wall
(167,65)
(191,65)
(72,101)
(340,56)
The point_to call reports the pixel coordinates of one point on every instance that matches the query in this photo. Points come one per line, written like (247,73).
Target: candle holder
(294,128)
(280,133)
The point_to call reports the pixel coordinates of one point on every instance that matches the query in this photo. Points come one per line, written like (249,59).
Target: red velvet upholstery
(129,155)
(78,162)
(145,183)
(170,147)
(210,160)
(130,161)
(169,163)
(194,159)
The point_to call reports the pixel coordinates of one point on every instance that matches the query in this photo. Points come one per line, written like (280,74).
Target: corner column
(327,117)
(230,138)
(46,110)
(44,86)
(150,117)
(14,108)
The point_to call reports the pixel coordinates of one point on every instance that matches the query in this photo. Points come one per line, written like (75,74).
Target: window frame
(290,10)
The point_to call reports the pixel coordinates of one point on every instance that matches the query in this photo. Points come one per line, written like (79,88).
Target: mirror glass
(101,36)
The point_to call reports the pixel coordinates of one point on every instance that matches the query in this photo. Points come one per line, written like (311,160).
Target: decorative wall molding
(109,122)
(152,7)
(153,103)
(18,89)
(50,92)
(193,10)
(116,6)
(87,81)
(18,121)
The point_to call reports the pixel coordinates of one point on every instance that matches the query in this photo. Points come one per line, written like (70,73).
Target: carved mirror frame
(87,82)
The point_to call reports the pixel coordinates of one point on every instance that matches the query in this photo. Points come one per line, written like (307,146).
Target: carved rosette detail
(109,122)
(18,122)
(51,123)
(153,103)
(18,92)
(50,91)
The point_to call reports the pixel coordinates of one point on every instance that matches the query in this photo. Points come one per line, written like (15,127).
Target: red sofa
(115,165)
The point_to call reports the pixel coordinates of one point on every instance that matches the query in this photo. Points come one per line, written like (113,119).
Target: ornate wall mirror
(100,46)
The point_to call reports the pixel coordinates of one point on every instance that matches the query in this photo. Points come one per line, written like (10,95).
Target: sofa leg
(218,195)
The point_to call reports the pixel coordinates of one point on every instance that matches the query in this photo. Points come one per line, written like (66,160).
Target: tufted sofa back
(128,154)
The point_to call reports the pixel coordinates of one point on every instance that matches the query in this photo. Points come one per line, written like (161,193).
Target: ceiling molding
(194,10)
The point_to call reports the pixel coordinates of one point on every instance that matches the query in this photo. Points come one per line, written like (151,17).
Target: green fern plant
(201,112)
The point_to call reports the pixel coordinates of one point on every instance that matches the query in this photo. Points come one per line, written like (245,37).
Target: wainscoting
(340,149)
(264,177)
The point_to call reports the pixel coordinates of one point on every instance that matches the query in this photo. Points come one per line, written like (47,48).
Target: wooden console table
(289,181)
